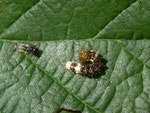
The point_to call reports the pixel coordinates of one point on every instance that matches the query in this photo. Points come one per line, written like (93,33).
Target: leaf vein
(63,86)
(114,18)
(20,17)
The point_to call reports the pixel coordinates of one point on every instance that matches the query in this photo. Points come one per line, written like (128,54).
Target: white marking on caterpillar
(78,68)
(68,65)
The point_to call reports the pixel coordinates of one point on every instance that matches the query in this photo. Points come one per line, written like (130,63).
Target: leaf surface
(30,84)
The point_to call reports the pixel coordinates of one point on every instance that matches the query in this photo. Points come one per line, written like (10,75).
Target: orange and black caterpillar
(90,65)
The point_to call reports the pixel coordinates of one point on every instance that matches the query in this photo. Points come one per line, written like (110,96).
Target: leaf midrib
(88,39)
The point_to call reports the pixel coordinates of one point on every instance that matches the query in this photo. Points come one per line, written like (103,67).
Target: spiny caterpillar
(90,64)
(26,48)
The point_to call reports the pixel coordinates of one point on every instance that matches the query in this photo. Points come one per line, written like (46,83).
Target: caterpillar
(90,64)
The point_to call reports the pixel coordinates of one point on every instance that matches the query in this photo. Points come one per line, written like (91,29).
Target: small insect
(90,64)
(26,48)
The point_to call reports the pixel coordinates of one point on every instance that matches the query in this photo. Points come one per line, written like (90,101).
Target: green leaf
(64,19)
(30,84)
(132,23)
